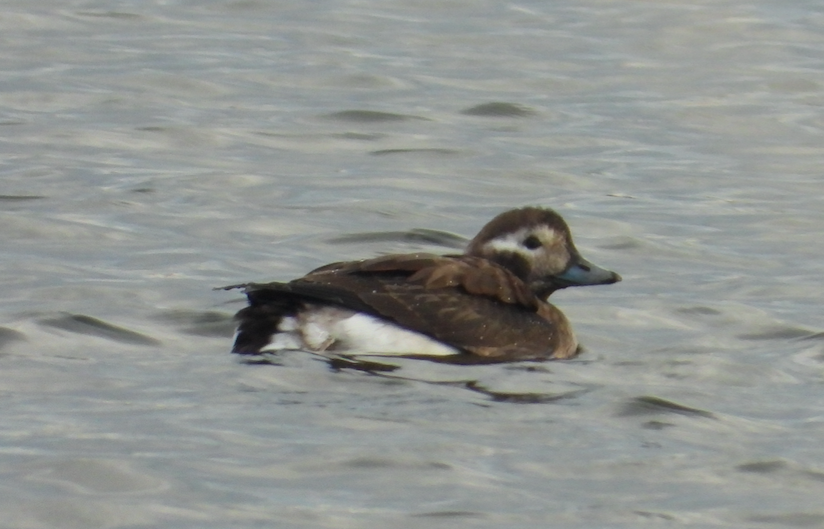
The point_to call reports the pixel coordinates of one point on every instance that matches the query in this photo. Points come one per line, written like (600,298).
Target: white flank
(319,328)
(370,335)
(284,341)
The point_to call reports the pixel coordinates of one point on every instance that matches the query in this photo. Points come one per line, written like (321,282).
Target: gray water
(151,151)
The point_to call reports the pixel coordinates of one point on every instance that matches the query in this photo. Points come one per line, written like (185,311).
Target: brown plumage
(489,302)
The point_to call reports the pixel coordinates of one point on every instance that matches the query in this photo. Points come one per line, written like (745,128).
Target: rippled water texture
(151,151)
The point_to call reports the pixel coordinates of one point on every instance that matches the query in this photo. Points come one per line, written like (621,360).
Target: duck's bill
(581,273)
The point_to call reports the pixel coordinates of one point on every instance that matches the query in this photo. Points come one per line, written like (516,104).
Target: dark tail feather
(259,321)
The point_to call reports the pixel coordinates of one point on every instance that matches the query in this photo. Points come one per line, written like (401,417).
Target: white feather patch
(319,328)
(370,335)
(513,242)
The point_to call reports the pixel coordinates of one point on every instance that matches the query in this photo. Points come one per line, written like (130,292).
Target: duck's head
(536,245)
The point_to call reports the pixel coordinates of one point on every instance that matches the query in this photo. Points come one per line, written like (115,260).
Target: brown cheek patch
(514,262)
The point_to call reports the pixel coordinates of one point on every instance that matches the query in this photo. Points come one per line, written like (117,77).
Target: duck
(488,304)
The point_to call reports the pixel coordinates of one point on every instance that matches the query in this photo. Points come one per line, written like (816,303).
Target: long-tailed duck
(490,303)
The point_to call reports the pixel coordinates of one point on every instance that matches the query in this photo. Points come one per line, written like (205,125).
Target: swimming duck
(489,303)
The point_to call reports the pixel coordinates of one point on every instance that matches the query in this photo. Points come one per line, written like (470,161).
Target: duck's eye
(532,242)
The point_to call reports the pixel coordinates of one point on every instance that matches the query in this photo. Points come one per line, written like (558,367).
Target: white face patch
(514,242)
(550,258)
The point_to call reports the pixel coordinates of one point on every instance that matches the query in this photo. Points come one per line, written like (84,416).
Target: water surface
(151,151)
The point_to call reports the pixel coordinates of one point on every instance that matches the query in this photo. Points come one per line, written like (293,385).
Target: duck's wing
(466,302)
